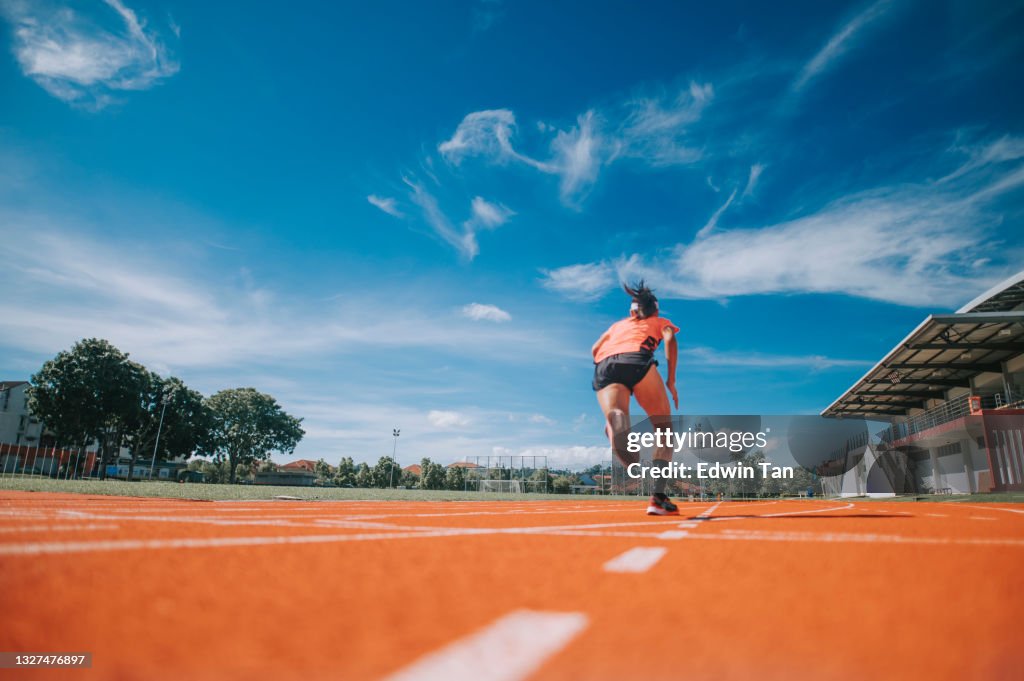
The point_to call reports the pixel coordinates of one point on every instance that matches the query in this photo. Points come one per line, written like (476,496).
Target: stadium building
(952,393)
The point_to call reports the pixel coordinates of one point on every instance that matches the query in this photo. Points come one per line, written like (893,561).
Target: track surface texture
(169,589)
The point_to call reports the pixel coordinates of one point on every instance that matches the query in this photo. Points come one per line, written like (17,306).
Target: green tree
(323,471)
(364,476)
(91,393)
(432,475)
(172,418)
(244,471)
(215,471)
(561,484)
(410,479)
(802,479)
(455,478)
(346,474)
(386,473)
(247,425)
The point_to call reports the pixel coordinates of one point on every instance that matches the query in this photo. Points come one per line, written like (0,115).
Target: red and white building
(952,393)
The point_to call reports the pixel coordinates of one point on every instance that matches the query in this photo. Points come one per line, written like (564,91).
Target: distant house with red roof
(414,469)
(300,465)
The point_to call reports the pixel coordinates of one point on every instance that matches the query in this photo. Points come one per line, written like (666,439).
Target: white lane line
(786,514)
(589,526)
(978,517)
(509,649)
(989,508)
(55,547)
(936,515)
(756,535)
(687,524)
(673,534)
(820,510)
(479,513)
(57,528)
(640,559)
(37,548)
(707,514)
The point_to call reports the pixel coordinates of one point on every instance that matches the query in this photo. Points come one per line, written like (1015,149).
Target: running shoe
(660,504)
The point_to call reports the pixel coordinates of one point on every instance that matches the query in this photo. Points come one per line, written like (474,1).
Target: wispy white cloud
(481,312)
(487,215)
(574,153)
(387,204)
(584,282)
(484,215)
(981,154)
(447,419)
(482,133)
(916,244)
(577,157)
(752,179)
(534,418)
(839,43)
(655,129)
(652,130)
(715,358)
(712,222)
(438,220)
(77,58)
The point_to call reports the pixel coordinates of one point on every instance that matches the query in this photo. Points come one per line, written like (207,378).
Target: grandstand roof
(1005,296)
(945,351)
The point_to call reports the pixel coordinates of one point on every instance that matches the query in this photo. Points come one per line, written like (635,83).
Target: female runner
(624,365)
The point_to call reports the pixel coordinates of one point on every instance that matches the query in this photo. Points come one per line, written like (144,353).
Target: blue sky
(416,214)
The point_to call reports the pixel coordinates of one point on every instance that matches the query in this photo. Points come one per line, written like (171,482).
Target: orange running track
(166,589)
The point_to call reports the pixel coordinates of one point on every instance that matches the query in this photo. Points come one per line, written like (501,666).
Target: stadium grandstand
(951,398)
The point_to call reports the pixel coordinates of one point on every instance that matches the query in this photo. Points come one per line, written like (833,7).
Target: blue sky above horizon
(416,214)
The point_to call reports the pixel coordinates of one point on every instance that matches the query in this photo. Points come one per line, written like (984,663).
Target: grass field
(542,590)
(209,492)
(205,492)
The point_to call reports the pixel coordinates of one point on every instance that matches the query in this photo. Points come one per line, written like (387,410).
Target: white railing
(950,410)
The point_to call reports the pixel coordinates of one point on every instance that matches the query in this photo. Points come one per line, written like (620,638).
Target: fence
(50,462)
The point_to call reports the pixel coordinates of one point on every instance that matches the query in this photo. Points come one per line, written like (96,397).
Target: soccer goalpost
(502,486)
(506,474)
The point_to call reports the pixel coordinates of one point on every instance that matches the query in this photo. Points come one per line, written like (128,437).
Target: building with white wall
(17,425)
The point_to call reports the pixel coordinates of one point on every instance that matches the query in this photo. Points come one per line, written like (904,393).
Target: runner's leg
(650,393)
(614,401)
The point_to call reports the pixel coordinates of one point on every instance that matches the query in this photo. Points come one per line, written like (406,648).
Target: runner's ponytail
(644,299)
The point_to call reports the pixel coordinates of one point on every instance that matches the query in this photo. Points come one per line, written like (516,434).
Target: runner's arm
(672,354)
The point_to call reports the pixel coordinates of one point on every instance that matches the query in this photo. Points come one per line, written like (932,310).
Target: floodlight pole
(152,463)
(395,432)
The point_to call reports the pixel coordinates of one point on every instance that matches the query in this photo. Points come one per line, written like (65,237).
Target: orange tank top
(634,335)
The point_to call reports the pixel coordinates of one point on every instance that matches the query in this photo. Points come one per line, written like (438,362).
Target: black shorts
(628,369)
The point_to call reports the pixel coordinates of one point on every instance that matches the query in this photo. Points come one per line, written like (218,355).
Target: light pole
(395,432)
(152,463)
